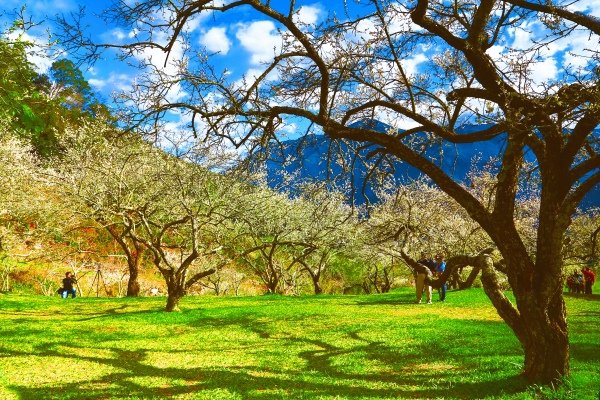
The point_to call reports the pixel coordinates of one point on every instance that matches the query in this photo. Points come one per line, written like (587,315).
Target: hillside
(316,157)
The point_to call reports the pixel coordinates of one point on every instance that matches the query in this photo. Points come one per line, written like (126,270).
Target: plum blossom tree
(148,198)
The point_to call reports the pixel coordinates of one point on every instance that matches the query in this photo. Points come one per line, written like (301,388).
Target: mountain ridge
(316,157)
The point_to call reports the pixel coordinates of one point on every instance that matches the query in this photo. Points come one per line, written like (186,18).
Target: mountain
(316,157)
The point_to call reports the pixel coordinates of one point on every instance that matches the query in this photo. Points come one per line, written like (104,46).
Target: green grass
(330,347)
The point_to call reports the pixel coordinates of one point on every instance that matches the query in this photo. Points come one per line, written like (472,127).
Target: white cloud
(544,71)
(97,83)
(115,81)
(495,52)
(252,74)
(217,3)
(523,38)
(411,64)
(308,15)
(133,33)
(216,40)
(260,39)
(40,54)
(158,58)
(366,29)
(194,23)
(118,34)
(399,20)
(398,121)
(590,7)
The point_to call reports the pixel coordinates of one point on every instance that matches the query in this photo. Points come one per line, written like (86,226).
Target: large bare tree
(362,65)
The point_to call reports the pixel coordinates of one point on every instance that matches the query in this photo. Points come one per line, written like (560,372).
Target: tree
(342,71)
(282,238)
(132,248)
(148,198)
(267,237)
(95,154)
(581,243)
(68,83)
(430,221)
(327,226)
(18,198)
(40,107)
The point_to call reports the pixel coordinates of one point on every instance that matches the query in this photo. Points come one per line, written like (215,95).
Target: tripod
(97,278)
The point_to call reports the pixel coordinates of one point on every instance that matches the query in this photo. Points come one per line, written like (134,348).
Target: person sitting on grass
(68,288)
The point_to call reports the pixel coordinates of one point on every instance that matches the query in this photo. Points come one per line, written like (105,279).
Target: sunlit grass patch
(36,371)
(203,358)
(344,347)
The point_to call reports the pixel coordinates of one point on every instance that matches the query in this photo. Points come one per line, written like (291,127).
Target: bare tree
(359,68)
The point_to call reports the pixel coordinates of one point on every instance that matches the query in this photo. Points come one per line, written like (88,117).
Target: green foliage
(39,107)
(265,347)
(20,100)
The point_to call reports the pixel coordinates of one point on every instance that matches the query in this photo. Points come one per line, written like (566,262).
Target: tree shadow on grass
(586,352)
(416,367)
(425,369)
(401,372)
(255,382)
(396,366)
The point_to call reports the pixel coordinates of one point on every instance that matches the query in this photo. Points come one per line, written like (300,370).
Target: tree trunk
(175,289)
(540,326)
(272,286)
(317,285)
(454,278)
(470,279)
(174,295)
(315,276)
(386,282)
(133,286)
(546,348)
(133,252)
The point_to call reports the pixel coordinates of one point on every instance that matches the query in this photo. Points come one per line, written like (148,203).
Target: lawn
(270,347)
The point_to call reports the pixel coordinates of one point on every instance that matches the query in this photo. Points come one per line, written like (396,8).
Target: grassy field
(329,347)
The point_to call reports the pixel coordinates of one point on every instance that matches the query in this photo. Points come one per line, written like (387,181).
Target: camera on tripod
(98,277)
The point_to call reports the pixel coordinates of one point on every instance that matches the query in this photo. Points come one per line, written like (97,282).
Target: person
(429,263)
(579,282)
(575,282)
(422,274)
(440,267)
(590,278)
(68,288)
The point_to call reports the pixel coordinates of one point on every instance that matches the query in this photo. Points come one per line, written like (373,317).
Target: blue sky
(242,40)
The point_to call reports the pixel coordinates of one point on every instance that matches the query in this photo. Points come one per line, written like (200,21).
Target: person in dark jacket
(440,267)
(68,287)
